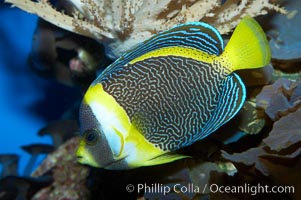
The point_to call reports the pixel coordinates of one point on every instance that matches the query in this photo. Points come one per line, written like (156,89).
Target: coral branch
(227,16)
(120,25)
(44,10)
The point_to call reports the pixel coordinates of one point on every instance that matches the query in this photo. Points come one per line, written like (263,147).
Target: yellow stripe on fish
(167,93)
(122,137)
(177,51)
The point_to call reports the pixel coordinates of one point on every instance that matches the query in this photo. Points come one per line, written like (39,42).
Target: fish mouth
(85,157)
(79,158)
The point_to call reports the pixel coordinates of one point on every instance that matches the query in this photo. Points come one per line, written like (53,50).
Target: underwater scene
(150,100)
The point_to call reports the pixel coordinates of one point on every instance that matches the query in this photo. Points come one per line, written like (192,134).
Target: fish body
(170,91)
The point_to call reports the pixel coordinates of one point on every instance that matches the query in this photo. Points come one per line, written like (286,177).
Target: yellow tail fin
(248,47)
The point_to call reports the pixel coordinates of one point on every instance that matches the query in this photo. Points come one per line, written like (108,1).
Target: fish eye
(91,136)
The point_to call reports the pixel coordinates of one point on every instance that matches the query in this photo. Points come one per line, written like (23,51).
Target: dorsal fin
(231,101)
(196,35)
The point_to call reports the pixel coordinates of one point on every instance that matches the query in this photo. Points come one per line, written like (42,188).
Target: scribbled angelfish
(168,92)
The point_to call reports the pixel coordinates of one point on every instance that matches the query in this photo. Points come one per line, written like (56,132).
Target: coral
(284,33)
(69,176)
(250,119)
(280,98)
(255,156)
(277,74)
(120,25)
(260,145)
(249,158)
(69,58)
(286,132)
(262,76)
(279,150)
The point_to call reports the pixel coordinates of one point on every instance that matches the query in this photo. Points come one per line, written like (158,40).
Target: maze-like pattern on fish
(195,35)
(168,99)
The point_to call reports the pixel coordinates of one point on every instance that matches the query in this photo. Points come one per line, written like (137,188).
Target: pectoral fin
(165,158)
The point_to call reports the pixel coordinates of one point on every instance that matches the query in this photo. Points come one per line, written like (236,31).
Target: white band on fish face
(111,127)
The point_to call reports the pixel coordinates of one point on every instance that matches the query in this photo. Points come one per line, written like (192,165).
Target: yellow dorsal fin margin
(248,47)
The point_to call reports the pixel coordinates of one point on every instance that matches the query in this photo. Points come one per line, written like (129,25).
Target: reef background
(44,76)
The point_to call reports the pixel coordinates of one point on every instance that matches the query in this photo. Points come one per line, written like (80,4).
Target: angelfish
(170,91)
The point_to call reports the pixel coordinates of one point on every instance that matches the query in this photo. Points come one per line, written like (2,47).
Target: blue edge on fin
(231,101)
(197,35)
